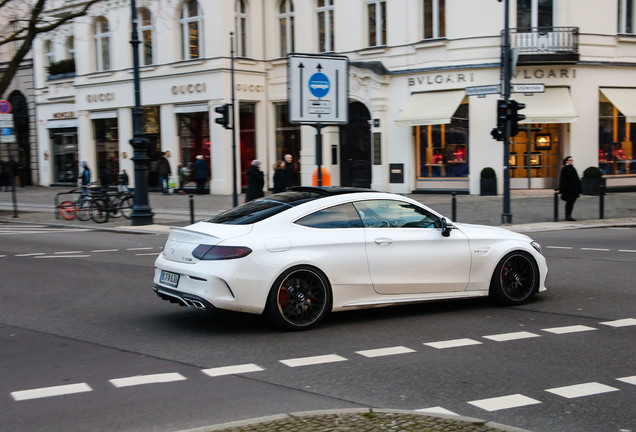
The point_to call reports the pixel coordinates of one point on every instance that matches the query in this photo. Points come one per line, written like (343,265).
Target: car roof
(331,190)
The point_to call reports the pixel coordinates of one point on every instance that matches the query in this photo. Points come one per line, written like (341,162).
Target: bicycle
(111,204)
(78,207)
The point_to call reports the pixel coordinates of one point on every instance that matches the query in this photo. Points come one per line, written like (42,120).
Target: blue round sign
(319,85)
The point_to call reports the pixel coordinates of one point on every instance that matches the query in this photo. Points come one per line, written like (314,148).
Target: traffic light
(226,115)
(515,117)
(497,134)
(503,114)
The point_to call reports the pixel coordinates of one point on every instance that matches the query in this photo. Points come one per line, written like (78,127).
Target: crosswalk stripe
(385,351)
(621,322)
(232,370)
(147,379)
(50,391)
(580,390)
(504,402)
(569,329)
(308,361)
(504,337)
(452,343)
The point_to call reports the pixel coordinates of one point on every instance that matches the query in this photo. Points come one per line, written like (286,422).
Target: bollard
(454,206)
(556,204)
(601,202)
(191,209)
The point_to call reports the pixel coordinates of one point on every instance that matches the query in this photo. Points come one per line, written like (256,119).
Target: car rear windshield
(262,208)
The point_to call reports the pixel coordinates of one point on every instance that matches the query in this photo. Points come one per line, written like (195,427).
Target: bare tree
(31,20)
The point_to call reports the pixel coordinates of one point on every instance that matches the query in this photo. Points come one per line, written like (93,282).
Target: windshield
(263,208)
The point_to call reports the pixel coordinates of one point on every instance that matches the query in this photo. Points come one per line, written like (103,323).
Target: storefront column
(169,136)
(86,144)
(125,149)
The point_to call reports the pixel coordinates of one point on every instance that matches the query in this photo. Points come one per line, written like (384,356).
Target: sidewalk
(532,210)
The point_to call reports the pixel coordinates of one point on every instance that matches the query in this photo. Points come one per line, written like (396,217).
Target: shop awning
(624,99)
(430,108)
(553,106)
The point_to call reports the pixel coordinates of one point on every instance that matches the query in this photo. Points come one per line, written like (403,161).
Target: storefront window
(443,149)
(194,138)
(65,163)
(107,150)
(616,138)
(247,119)
(151,124)
(287,138)
(534,156)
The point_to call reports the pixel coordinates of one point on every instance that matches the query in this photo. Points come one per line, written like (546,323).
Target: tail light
(214,252)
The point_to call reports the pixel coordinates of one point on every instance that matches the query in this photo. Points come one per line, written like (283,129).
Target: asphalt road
(85,345)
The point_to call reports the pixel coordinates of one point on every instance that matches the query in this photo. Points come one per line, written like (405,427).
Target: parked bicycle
(96,203)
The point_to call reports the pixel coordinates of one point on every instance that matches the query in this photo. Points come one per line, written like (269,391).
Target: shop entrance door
(534,157)
(65,163)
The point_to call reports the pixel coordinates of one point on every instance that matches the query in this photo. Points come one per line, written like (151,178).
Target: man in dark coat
(569,186)
(290,169)
(255,181)
(200,170)
(164,171)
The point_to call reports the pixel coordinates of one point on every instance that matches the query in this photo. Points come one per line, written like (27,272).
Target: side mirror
(446,228)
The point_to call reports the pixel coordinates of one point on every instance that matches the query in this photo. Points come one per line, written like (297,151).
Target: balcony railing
(545,44)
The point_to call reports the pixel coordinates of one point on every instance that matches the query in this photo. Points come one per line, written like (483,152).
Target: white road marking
(30,254)
(385,351)
(147,379)
(452,343)
(627,250)
(437,410)
(595,249)
(569,329)
(628,380)
(62,256)
(232,370)
(621,322)
(148,254)
(68,252)
(308,361)
(504,337)
(104,250)
(580,390)
(138,248)
(504,402)
(50,391)
(559,247)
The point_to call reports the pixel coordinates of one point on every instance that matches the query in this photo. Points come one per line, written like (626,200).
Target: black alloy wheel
(515,280)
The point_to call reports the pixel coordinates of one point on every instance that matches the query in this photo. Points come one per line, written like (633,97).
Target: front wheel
(68,210)
(99,210)
(126,206)
(299,299)
(515,280)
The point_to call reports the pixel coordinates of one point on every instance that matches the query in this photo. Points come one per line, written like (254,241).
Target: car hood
(475,232)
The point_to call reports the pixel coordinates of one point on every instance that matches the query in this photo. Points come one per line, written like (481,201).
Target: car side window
(395,214)
(340,216)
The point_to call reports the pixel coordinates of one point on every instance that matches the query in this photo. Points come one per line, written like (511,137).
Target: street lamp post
(141,211)
(506,215)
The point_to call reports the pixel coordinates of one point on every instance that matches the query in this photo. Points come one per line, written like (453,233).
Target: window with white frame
(146,31)
(286,26)
(434,19)
(324,11)
(240,18)
(626,16)
(102,44)
(49,52)
(191,30)
(376,14)
(70,48)
(535,13)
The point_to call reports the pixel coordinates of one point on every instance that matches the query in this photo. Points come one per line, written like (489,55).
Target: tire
(299,299)
(126,206)
(84,210)
(113,206)
(515,280)
(99,210)
(67,210)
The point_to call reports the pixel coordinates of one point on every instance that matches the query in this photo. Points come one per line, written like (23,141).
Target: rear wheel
(67,210)
(126,206)
(99,210)
(299,299)
(84,209)
(515,280)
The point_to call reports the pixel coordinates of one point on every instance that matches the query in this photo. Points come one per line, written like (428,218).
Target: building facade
(414,123)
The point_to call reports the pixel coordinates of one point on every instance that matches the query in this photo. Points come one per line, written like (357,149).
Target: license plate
(169,279)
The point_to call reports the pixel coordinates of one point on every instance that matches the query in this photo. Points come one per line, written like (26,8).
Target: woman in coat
(255,181)
(569,186)
(280,177)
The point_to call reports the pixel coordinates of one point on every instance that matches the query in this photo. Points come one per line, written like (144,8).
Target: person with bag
(569,186)
(280,177)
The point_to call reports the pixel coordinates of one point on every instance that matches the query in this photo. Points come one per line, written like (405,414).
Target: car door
(406,251)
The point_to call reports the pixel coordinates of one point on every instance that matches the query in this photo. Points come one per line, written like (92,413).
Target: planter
(488,186)
(591,186)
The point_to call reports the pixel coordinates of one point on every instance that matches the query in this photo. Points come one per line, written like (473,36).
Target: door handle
(382,241)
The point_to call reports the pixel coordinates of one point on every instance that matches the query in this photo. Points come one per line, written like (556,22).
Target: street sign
(5,107)
(483,90)
(6,127)
(318,89)
(528,88)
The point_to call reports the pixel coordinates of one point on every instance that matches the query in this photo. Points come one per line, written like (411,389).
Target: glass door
(534,157)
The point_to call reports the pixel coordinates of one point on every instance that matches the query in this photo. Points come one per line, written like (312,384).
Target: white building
(411,125)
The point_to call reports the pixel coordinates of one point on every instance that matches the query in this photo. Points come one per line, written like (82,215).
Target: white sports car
(298,255)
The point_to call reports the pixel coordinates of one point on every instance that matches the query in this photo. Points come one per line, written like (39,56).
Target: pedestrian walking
(85,177)
(280,177)
(123,181)
(569,186)
(255,181)
(164,171)
(200,174)
(290,170)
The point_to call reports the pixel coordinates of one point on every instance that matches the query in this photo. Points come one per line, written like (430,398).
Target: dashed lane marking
(62,256)
(138,248)
(569,329)
(627,250)
(621,322)
(504,337)
(104,250)
(559,247)
(30,254)
(51,391)
(595,249)
(628,380)
(504,402)
(308,361)
(580,390)
(232,370)
(148,254)
(67,252)
(455,343)
(385,351)
(147,379)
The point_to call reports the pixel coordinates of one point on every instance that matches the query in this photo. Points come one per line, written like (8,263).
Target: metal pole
(141,211)
(319,152)
(454,206)
(234,186)
(601,203)
(556,205)
(506,215)
(191,209)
